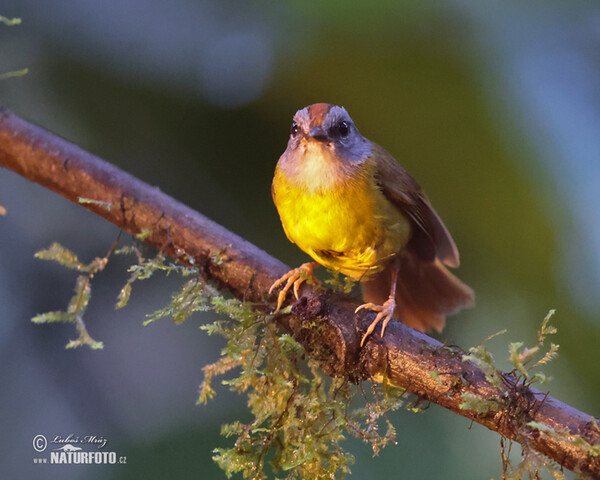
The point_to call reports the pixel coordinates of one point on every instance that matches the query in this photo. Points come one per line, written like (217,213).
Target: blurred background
(493,106)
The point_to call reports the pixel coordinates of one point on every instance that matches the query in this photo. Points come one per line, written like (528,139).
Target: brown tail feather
(425,294)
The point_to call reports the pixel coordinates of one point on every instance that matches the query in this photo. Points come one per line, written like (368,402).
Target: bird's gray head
(332,128)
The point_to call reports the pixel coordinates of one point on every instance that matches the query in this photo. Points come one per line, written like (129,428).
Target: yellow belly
(348,226)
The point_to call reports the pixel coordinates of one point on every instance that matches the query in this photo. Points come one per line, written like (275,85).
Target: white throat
(314,167)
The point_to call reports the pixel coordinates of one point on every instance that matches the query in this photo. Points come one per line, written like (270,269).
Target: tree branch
(404,356)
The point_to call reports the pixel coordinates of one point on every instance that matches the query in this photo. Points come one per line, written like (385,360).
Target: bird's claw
(295,277)
(386,312)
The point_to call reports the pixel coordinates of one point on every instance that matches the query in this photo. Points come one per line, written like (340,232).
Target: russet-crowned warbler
(347,203)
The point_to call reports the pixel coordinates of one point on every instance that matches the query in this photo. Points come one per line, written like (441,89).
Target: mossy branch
(324,323)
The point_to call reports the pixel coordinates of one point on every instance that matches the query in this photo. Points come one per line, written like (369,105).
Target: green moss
(513,399)
(300,417)
(144,234)
(9,22)
(57,253)
(219,257)
(183,304)
(91,201)
(523,358)
(341,283)
(14,73)
(80,300)
(297,412)
(435,375)
(481,406)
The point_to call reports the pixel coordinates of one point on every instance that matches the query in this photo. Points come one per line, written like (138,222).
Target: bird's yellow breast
(341,219)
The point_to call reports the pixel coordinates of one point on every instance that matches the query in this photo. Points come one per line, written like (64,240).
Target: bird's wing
(430,237)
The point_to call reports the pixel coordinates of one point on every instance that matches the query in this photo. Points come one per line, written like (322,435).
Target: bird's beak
(318,134)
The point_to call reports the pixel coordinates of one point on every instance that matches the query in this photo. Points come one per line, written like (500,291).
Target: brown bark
(405,356)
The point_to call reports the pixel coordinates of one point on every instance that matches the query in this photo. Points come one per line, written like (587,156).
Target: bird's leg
(386,311)
(295,278)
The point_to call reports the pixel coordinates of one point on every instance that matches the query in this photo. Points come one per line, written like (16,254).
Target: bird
(355,210)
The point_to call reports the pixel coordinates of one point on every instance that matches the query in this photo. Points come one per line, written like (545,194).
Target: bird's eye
(294,129)
(343,128)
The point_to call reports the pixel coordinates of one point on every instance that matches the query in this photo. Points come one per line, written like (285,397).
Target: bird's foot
(295,278)
(386,312)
